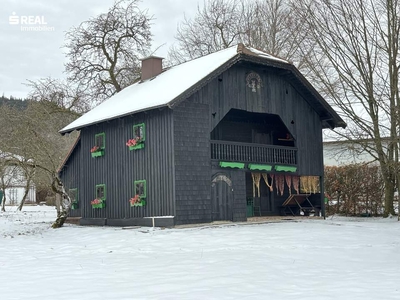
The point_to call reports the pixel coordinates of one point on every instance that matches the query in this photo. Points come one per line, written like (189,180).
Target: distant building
(14,179)
(337,153)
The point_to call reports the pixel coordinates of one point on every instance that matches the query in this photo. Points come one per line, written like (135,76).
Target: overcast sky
(33,55)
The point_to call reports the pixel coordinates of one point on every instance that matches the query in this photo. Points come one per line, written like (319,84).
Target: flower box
(142,202)
(98,153)
(134,144)
(99,205)
(138,146)
(137,201)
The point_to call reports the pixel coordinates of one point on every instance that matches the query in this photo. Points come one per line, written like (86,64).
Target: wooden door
(266,201)
(221,198)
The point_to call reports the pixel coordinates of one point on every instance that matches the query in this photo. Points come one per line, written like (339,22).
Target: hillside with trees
(17,103)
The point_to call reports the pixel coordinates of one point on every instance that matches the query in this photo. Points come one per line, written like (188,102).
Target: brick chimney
(151,66)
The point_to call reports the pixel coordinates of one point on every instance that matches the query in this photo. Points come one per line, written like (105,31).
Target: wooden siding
(120,167)
(276,96)
(176,160)
(71,176)
(229,91)
(192,163)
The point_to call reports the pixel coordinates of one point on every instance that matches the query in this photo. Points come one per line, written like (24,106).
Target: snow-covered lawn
(339,258)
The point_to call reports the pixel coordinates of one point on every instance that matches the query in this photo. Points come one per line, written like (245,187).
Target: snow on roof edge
(158,91)
(64,130)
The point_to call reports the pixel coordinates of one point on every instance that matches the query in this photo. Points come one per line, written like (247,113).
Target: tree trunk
(63,202)
(389,194)
(3,204)
(61,218)
(28,182)
(58,204)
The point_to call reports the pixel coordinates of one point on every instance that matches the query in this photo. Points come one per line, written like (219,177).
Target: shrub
(354,189)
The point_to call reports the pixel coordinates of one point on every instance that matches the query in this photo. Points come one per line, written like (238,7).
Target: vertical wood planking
(277,96)
(176,160)
(120,167)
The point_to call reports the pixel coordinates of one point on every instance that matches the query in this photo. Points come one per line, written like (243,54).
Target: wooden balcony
(253,153)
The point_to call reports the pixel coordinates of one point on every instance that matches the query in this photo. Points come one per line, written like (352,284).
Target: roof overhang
(69,130)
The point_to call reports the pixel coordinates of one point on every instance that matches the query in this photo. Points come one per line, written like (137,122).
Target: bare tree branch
(104,51)
(355,64)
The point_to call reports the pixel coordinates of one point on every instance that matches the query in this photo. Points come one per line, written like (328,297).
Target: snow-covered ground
(339,258)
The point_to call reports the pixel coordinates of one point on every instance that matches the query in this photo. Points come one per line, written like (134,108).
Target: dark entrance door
(263,202)
(266,198)
(221,198)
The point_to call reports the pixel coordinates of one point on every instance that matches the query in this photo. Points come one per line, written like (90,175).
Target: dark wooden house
(226,136)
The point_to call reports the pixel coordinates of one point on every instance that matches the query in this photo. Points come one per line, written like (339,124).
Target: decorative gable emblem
(253,81)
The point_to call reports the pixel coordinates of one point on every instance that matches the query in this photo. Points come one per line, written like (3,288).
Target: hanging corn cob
(270,186)
(288,179)
(256,183)
(296,182)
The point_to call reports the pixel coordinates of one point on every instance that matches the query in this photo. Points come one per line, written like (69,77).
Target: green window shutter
(139,131)
(73,194)
(100,140)
(101,191)
(140,188)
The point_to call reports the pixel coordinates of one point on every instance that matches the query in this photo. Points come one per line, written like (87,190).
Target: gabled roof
(71,150)
(179,82)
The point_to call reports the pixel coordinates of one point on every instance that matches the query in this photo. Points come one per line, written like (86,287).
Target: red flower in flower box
(94,149)
(96,201)
(133,142)
(135,200)
(97,151)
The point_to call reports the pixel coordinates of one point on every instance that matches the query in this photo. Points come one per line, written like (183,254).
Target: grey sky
(33,55)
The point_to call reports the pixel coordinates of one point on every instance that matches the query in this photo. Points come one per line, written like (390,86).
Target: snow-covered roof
(164,88)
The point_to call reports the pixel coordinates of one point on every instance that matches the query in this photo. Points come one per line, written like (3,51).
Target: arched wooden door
(221,198)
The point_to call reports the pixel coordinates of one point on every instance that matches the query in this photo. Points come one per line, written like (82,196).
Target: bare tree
(65,94)
(103,55)
(47,148)
(273,27)
(27,176)
(266,25)
(7,170)
(7,164)
(33,134)
(217,25)
(355,61)
(104,51)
